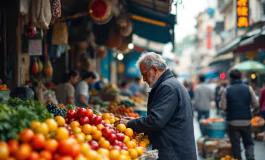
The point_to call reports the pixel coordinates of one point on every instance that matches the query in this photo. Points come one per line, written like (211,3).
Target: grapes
(52,108)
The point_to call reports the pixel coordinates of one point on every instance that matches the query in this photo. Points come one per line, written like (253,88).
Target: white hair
(152,59)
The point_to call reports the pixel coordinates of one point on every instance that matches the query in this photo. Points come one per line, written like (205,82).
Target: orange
(123,157)
(26,135)
(114,154)
(100,127)
(4,152)
(77,129)
(23,151)
(105,144)
(140,150)
(103,151)
(93,155)
(46,155)
(97,135)
(51,145)
(125,152)
(88,137)
(80,137)
(133,153)
(42,128)
(80,157)
(146,140)
(74,124)
(129,132)
(106,116)
(52,124)
(112,120)
(34,124)
(107,121)
(126,139)
(142,144)
(84,148)
(94,129)
(121,127)
(62,133)
(87,129)
(60,120)
(131,144)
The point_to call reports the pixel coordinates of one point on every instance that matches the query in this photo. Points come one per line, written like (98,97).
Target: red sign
(222,75)
(209,37)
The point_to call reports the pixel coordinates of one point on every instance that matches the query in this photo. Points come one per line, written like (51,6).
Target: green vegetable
(17,115)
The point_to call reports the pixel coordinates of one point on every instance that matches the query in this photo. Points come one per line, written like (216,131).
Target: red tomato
(84,120)
(34,156)
(71,113)
(89,113)
(12,146)
(81,112)
(97,120)
(38,141)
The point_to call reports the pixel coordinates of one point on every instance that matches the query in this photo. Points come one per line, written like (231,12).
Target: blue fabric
(238,101)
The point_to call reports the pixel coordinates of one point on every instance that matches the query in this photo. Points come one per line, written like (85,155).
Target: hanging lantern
(114,37)
(124,46)
(101,52)
(127,30)
(100,11)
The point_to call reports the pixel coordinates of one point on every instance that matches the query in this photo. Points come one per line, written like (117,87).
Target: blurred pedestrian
(203,98)
(124,89)
(262,101)
(236,100)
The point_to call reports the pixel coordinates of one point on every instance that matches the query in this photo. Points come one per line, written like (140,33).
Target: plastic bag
(150,155)
(24,7)
(60,34)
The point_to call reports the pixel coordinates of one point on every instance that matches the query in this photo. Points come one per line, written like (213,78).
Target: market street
(259,146)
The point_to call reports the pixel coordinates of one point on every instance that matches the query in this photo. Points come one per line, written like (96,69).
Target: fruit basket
(213,127)
(257,124)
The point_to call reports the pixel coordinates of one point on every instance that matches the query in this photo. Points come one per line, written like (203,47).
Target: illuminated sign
(242,13)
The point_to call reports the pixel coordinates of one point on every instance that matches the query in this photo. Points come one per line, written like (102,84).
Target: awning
(152,25)
(226,57)
(230,46)
(163,6)
(252,43)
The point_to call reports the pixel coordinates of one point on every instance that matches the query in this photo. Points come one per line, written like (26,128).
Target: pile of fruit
(212,120)
(257,121)
(227,157)
(126,103)
(56,111)
(82,135)
(124,111)
(137,100)
(3,87)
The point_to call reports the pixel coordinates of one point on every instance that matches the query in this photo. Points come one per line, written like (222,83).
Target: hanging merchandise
(40,65)
(127,30)
(101,52)
(125,42)
(56,10)
(123,18)
(114,37)
(40,13)
(34,67)
(24,7)
(31,31)
(60,33)
(35,47)
(100,11)
(48,70)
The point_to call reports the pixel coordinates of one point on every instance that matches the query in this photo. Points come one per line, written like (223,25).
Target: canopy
(250,65)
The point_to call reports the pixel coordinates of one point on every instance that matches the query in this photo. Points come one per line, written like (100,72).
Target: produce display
(227,158)
(55,110)
(124,111)
(17,115)
(212,120)
(80,135)
(126,103)
(257,121)
(3,87)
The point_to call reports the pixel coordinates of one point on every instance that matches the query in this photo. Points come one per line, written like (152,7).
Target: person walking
(236,100)
(203,97)
(169,120)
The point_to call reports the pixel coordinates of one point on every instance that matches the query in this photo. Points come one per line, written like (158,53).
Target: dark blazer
(169,122)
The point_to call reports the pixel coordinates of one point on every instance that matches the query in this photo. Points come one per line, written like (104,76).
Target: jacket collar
(167,74)
(236,81)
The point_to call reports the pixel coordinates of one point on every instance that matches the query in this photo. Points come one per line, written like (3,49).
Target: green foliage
(17,115)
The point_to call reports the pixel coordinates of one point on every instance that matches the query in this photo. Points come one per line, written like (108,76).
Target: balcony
(222,5)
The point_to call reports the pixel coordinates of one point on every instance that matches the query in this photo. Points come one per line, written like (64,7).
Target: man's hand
(121,121)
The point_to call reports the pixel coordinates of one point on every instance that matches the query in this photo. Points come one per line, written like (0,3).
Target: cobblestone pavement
(259,146)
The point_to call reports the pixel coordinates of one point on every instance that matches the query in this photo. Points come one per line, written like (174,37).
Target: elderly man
(169,123)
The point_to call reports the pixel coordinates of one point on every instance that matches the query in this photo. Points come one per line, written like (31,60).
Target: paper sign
(35,47)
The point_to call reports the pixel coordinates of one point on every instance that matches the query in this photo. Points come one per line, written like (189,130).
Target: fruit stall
(30,130)
(215,144)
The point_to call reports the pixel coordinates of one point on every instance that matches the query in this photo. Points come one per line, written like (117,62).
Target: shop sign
(242,13)
(35,47)
(209,37)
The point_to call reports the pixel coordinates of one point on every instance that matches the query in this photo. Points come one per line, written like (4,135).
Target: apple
(84,120)
(97,120)
(81,112)
(120,137)
(106,132)
(112,138)
(71,113)
(94,145)
(117,143)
